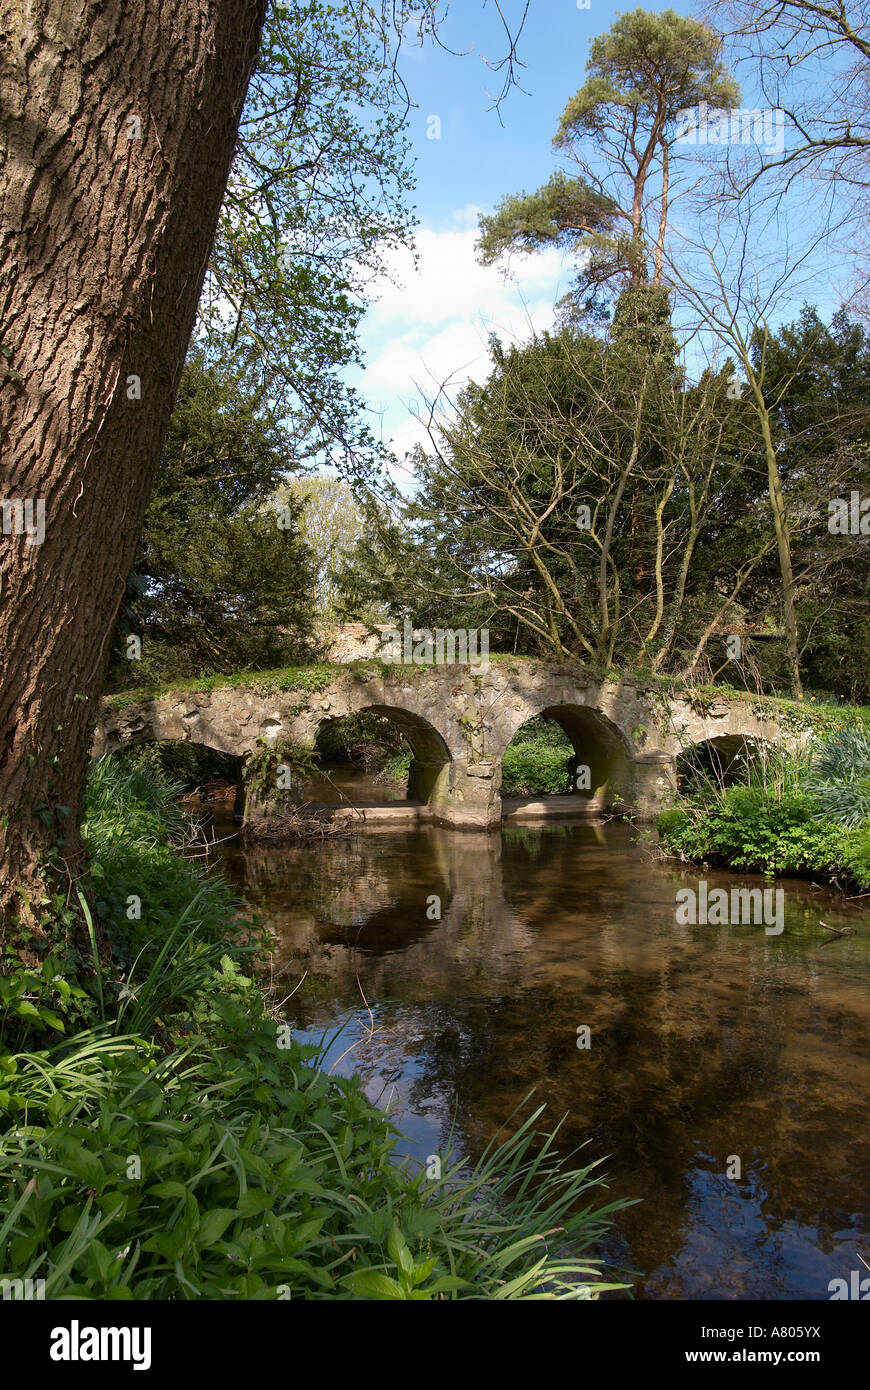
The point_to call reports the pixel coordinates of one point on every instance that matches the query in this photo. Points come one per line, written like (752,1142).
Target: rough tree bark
(119,124)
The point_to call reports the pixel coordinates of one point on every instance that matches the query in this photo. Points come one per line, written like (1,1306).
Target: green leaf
(213,1225)
(169,1189)
(422,1271)
(369,1283)
(254,1201)
(86,1166)
(399,1251)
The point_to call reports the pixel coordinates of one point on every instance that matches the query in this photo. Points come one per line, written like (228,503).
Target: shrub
(756,830)
(857,855)
(546,733)
(397,767)
(186,764)
(839,779)
(367,739)
(671,821)
(267,758)
(530,770)
(538,760)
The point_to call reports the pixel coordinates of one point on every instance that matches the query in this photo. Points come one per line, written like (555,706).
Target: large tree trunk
(119,121)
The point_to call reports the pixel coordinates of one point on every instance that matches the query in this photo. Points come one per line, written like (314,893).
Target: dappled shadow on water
(480,957)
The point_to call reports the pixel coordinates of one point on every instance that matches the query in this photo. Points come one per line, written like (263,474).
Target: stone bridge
(459,720)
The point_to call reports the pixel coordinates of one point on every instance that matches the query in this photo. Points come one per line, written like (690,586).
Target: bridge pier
(468,796)
(655,782)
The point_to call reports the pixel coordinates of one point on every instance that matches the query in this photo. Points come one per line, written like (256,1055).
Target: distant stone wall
(346,642)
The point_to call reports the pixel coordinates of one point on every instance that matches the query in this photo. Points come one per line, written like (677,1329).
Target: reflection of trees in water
(706,1042)
(364,907)
(664,1098)
(665,1090)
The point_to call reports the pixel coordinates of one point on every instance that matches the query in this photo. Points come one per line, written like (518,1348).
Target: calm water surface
(707,1041)
(340,782)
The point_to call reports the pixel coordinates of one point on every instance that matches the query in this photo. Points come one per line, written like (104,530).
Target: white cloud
(433,323)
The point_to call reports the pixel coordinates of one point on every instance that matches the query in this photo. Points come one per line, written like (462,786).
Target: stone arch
(228,768)
(599,745)
(430,774)
(722,757)
(137,731)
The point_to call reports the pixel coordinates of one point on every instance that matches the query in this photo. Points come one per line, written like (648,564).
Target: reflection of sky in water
(707,1041)
(387,1082)
(730,1251)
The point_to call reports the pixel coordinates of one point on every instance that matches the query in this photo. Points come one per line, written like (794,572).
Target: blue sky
(433,322)
(477,159)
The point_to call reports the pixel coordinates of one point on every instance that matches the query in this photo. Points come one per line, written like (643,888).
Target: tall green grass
(839,778)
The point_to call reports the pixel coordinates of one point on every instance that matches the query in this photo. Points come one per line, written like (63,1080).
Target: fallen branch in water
(300,825)
(837,933)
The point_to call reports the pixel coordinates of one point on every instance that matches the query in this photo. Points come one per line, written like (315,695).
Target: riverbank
(803,814)
(163,1136)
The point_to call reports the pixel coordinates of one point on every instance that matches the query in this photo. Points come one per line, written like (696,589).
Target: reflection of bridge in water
(706,1041)
(458,722)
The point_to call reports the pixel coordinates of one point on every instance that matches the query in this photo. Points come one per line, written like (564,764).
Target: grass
(310,679)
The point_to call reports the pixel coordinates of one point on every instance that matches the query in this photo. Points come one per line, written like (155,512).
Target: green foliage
(330,523)
(857,856)
(537,761)
(543,733)
(550,431)
(765,829)
(616,130)
(266,757)
(560,213)
(259,1177)
(317,195)
(755,831)
(819,376)
(397,767)
(547,441)
(37,1002)
(366,739)
(803,812)
(647,68)
(309,680)
(839,779)
(217,585)
(186,765)
(528,770)
(671,823)
(170,943)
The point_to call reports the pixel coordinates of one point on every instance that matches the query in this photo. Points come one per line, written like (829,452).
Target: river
(459,968)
